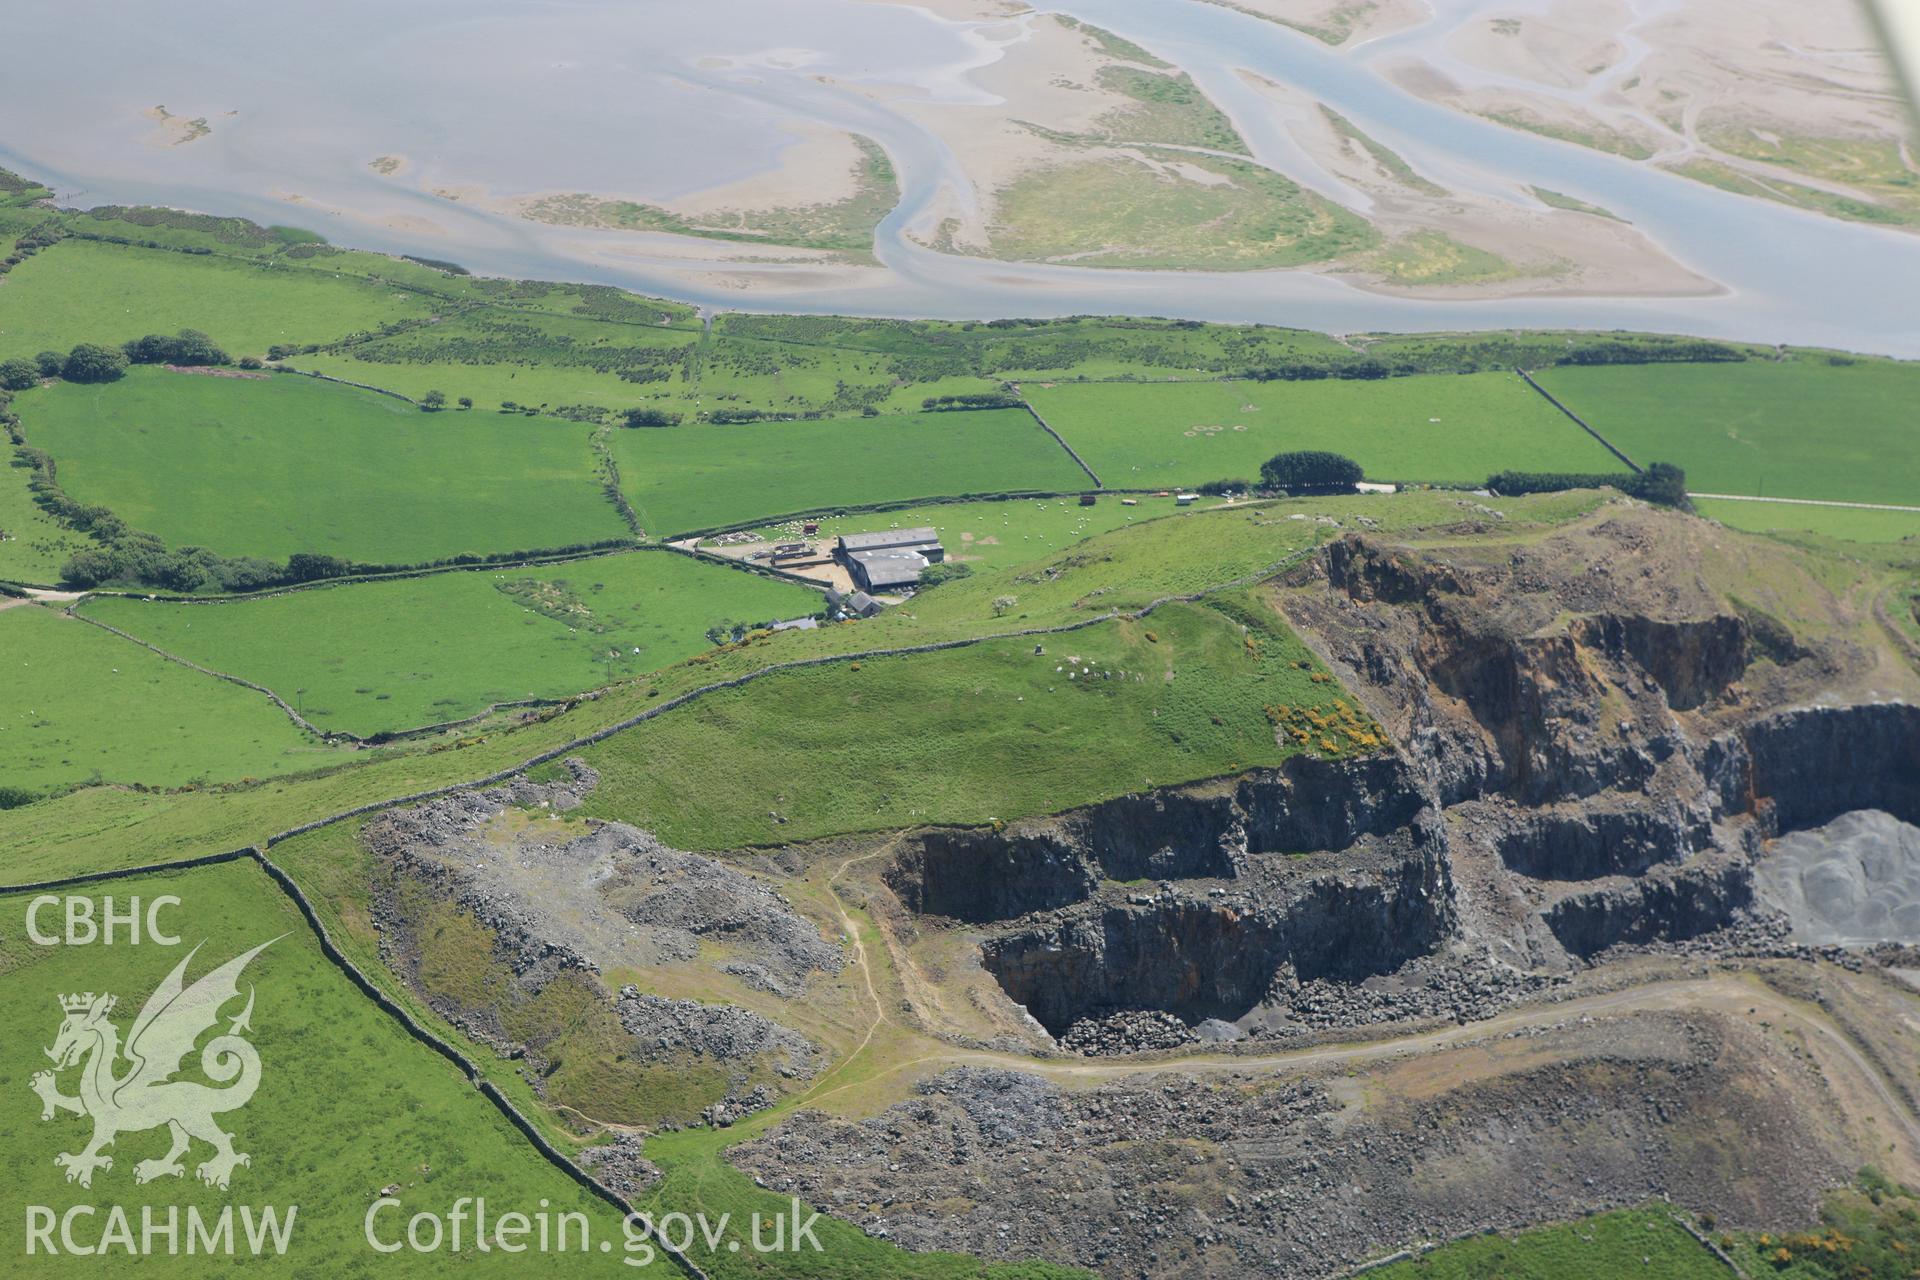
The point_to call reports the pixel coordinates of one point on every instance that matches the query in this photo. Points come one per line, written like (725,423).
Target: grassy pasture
(102,827)
(967,735)
(86,291)
(379,656)
(1151,208)
(346,1103)
(33,545)
(273,465)
(78,703)
(1627,1242)
(496,354)
(790,364)
(1080,347)
(1440,428)
(1849,524)
(1800,428)
(701,477)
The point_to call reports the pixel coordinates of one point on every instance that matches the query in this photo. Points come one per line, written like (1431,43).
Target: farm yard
(988,535)
(1805,427)
(275,465)
(376,657)
(682,479)
(1457,428)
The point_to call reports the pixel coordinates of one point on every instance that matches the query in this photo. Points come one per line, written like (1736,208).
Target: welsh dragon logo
(174,1017)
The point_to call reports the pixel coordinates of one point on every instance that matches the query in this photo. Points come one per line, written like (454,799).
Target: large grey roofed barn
(887,538)
(877,570)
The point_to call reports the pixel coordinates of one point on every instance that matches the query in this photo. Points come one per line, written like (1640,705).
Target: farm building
(857,605)
(891,559)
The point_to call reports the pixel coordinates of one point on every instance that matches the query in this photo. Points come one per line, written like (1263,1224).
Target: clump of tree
(16,797)
(648,418)
(1311,471)
(188,347)
(144,559)
(1661,483)
(434,401)
(945,571)
(976,400)
(18,375)
(1221,488)
(734,417)
(91,362)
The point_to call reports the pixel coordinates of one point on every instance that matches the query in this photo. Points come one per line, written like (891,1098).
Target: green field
(85,291)
(995,730)
(1800,428)
(1455,428)
(1639,1242)
(274,465)
(705,477)
(1076,347)
(992,535)
(497,354)
(347,1103)
(1850,524)
(80,704)
(101,826)
(380,656)
(33,545)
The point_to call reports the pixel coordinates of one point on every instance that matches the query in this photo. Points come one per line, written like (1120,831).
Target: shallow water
(656,98)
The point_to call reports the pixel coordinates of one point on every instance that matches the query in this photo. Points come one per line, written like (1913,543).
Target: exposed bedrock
(1201,832)
(1626,836)
(1201,957)
(1479,670)
(1692,661)
(1671,905)
(1806,767)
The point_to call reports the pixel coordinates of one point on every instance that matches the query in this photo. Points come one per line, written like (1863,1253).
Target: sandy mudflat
(1551,251)
(1047,76)
(964,10)
(1338,22)
(1778,91)
(1565,48)
(820,168)
(171,130)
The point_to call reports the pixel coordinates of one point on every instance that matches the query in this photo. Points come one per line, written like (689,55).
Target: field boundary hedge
(345,382)
(386,736)
(1605,443)
(891,504)
(1057,437)
(778,668)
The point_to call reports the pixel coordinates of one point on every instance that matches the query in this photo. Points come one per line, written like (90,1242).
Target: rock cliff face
(1172,834)
(1588,842)
(1580,767)
(1220,954)
(1804,767)
(1671,906)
